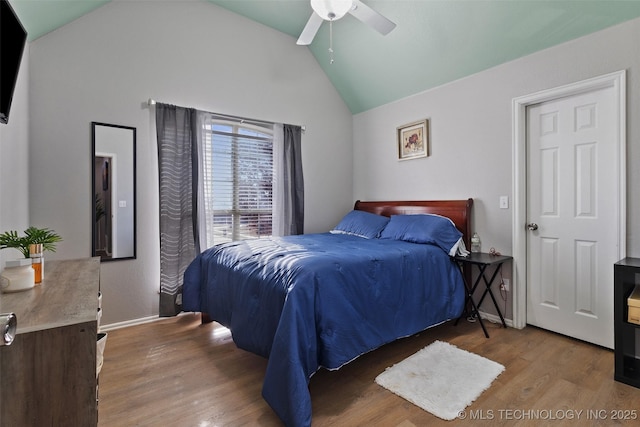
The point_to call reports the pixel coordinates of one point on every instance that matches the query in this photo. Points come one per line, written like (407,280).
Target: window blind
(238,181)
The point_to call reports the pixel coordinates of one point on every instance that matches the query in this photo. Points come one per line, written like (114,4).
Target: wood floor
(177,372)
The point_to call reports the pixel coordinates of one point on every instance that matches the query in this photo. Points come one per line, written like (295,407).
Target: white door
(572,242)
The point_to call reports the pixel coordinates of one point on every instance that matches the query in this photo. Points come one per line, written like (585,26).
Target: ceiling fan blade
(310,30)
(372,18)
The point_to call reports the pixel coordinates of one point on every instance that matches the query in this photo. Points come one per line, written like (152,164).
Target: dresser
(48,373)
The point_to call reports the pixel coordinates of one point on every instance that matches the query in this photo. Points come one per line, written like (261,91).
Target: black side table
(482,261)
(626,335)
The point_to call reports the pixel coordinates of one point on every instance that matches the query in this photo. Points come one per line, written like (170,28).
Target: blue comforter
(320,300)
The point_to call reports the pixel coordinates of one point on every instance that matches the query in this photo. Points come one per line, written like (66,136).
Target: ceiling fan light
(330,10)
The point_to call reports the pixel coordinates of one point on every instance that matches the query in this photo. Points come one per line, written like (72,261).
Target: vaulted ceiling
(435,41)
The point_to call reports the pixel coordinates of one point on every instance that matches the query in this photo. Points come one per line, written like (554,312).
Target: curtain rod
(152,102)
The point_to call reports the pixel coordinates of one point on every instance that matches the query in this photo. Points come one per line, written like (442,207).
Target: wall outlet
(505,285)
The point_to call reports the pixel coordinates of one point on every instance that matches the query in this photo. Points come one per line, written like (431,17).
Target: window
(237,180)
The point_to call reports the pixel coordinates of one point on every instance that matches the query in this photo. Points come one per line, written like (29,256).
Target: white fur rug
(441,378)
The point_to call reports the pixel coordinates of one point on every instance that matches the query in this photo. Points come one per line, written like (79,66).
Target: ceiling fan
(332,10)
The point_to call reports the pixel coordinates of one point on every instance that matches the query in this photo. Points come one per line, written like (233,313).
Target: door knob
(532,226)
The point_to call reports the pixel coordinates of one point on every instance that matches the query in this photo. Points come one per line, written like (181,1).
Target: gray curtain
(178,179)
(288,183)
(293,179)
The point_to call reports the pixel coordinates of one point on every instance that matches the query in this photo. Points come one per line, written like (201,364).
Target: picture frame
(413,140)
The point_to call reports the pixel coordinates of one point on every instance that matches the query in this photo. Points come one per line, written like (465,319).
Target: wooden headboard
(459,211)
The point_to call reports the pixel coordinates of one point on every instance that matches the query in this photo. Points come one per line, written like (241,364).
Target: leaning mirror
(114,192)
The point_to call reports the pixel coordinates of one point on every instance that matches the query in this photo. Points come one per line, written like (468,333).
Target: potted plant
(32,235)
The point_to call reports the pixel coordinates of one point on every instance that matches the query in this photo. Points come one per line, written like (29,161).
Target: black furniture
(482,261)
(626,335)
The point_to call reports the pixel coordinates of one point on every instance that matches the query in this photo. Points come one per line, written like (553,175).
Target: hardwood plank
(180,372)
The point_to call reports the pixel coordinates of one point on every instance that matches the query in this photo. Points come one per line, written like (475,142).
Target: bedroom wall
(105,65)
(14,163)
(471,130)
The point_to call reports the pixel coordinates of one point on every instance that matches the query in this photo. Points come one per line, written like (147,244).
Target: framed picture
(413,140)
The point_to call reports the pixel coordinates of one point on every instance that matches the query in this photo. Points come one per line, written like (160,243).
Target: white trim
(133,322)
(493,318)
(617,80)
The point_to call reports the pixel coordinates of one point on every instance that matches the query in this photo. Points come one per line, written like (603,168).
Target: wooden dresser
(48,373)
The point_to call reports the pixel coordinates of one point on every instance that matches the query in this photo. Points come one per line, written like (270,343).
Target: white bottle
(475,243)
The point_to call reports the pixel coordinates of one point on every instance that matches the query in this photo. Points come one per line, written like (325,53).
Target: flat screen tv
(12,40)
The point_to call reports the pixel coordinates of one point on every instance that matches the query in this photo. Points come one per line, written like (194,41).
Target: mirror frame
(94,126)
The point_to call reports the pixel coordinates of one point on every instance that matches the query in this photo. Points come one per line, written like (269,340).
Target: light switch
(122,203)
(504,202)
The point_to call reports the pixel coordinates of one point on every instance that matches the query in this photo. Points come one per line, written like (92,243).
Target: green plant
(32,235)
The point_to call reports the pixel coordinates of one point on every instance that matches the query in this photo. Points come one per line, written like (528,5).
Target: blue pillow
(425,228)
(361,223)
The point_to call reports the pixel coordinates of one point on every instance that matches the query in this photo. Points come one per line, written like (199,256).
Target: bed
(321,300)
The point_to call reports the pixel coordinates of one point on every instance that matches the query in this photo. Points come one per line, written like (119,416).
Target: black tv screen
(12,40)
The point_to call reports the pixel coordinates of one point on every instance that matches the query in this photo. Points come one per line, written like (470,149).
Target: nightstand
(482,261)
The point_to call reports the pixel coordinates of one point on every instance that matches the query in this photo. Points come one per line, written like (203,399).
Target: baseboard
(126,323)
(494,318)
